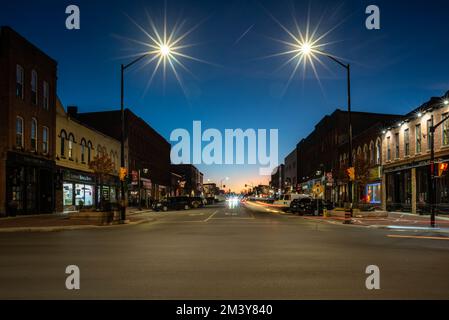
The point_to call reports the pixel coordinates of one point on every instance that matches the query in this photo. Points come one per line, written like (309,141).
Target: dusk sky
(394,69)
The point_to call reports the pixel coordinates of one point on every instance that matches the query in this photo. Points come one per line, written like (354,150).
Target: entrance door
(46,191)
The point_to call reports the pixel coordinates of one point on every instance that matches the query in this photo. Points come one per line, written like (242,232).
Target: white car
(286,199)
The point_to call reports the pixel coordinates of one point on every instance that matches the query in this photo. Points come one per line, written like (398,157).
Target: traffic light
(351,173)
(442,168)
(122,173)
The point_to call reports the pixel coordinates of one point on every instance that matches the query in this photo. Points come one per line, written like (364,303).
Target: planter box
(100,217)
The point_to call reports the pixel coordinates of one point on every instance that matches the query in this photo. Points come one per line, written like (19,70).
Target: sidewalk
(57,222)
(389,220)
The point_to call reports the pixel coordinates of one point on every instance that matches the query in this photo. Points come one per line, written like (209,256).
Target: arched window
(378,151)
(34,87)
(63,138)
(34,134)
(372,153)
(89,148)
(19,132)
(70,145)
(83,150)
(365,153)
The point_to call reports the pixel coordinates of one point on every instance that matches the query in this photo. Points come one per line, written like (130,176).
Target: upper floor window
(445,130)
(83,150)
(63,137)
(45,140)
(19,81)
(19,132)
(429,125)
(372,153)
(418,138)
(378,152)
(46,90)
(70,146)
(34,134)
(396,145)
(89,148)
(407,142)
(388,148)
(34,87)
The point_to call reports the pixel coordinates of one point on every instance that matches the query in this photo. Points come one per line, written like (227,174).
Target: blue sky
(395,68)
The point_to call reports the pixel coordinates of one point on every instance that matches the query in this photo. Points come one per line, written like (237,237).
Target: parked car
(172,203)
(197,202)
(285,200)
(308,206)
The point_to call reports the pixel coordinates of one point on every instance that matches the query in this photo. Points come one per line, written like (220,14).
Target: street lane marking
(417,237)
(210,217)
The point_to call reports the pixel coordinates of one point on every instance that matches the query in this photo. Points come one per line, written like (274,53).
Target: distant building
(27,126)
(277,179)
(191,179)
(77,145)
(148,153)
(290,171)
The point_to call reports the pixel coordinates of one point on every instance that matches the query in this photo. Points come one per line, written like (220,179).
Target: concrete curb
(69,228)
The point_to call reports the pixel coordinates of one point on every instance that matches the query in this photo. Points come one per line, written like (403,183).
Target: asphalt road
(223,253)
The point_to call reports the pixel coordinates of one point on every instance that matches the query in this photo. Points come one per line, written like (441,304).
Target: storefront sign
(77,177)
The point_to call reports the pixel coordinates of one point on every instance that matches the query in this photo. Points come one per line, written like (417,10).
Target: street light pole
(348,74)
(122,133)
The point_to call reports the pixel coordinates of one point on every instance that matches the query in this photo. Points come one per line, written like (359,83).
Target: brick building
(318,155)
(406,159)
(27,126)
(191,179)
(290,171)
(148,153)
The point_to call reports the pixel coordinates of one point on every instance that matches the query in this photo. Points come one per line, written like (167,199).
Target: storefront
(78,190)
(29,184)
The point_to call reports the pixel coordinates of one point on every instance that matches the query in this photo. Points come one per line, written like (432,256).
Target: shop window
(68,194)
(19,132)
(34,134)
(84,195)
(373,193)
(34,87)
(19,81)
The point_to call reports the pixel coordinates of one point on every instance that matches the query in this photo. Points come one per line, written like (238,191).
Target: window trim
(22,82)
(46,95)
(34,78)
(46,143)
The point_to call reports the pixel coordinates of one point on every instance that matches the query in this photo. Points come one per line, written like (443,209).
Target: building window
(63,137)
(418,138)
(445,130)
(89,149)
(378,152)
(34,134)
(34,87)
(429,124)
(19,132)
(396,145)
(83,150)
(388,149)
(70,146)
(372,154)
(45,140)
(19,81)
(407,142)
(46,90)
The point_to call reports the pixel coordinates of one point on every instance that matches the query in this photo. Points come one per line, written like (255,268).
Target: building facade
(87,165)
(277,179)
(318,155)
(406,159)
(191,183)
(27,126)
(148,153)
(290,171)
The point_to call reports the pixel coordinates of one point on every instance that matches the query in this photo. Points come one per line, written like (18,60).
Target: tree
(102,166)
(362,174)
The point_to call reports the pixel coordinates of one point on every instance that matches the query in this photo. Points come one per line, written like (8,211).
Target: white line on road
(210,217)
